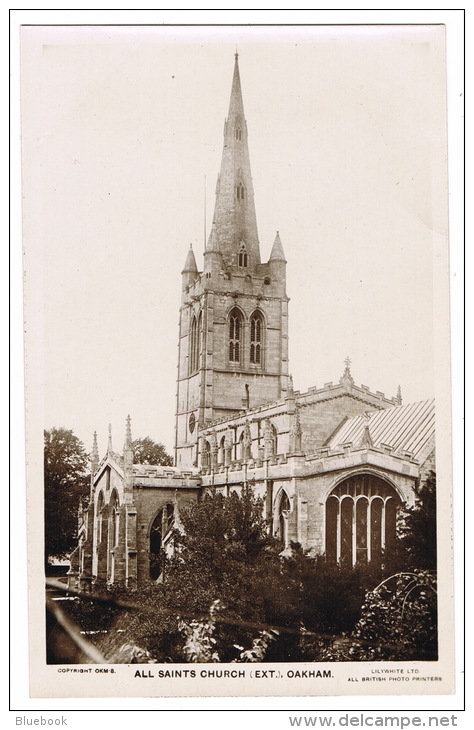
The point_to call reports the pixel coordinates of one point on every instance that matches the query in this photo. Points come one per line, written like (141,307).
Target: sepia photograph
(236,266)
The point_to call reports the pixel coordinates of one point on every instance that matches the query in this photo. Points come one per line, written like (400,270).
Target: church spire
(234,220)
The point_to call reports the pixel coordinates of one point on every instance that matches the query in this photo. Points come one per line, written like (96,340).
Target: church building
(332,464)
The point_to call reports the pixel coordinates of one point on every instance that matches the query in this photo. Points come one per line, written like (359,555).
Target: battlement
(345,387)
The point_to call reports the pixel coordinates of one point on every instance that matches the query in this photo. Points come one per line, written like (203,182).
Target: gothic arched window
(361,520)
(235,335)
(221,452)
(238,133)
(256,338)
(206,455)
(100,552)
(113,528)
(195,343)
(243,258)
(160,528)
(242,447)
(240,191)
(100,511)
(114,516)
(282,519)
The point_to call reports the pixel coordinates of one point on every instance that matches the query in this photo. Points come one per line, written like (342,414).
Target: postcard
(237,360)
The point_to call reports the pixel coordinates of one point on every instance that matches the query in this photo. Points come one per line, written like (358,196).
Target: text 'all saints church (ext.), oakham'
(331,464)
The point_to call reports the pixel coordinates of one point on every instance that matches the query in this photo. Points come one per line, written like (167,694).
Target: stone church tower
(331,465)
(233,326)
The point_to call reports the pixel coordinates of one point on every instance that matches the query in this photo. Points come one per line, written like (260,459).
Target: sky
(122,132)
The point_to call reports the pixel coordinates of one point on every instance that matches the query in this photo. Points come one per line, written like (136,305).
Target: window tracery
(235,335)
(256,338)
(361,520)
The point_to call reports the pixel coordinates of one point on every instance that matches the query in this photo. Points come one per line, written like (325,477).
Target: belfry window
(243,258)
(235,335)
(240,192)
(361,520)
(256,338)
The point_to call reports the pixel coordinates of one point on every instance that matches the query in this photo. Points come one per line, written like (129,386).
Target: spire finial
(236,54)
(347,363)
(109,443)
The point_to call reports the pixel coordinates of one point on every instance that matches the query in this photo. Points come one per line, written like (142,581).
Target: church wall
(320,419)
(274,328)
(313,491)
(148,502)
(428,466)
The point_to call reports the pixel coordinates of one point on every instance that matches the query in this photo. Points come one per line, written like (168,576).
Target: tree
(223,556)
(65,483)
(146,451)
(229,594)
(418,528)
(398,622)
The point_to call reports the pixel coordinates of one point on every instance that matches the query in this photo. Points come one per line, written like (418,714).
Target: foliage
(258,651)
(65,483)
(283,608)
(229,594)
(225,555)
(418,528)
(200,643)
(398,622)
(146,451)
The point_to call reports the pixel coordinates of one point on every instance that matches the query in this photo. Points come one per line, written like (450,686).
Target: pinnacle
(190,263)
(109,443)
(277,253)
(95,449)
(128,434)
(212,242)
